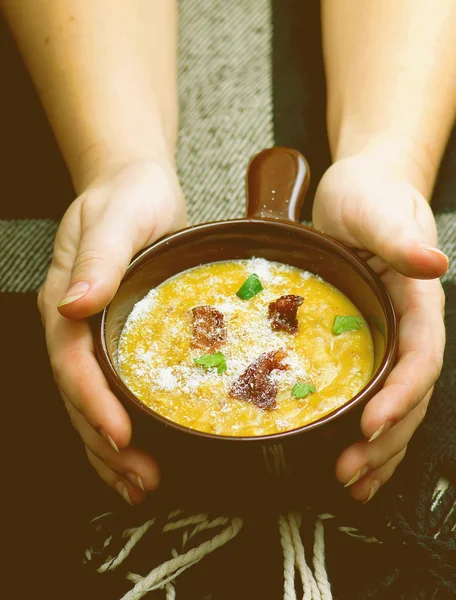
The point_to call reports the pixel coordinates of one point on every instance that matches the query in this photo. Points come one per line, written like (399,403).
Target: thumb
(404,238)
(101,260)
(406,249)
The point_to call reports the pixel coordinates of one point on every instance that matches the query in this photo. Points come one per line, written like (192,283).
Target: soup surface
(202,356)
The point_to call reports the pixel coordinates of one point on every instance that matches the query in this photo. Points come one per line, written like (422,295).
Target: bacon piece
(282,313)
(255,384)
(209,331)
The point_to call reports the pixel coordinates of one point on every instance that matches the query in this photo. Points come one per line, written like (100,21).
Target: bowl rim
(363,269)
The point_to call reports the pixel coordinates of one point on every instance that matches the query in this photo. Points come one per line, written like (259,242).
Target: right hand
(370,204)
(115,217)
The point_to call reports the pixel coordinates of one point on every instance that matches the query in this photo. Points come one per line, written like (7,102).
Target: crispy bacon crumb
(209,331)
(282,313)
(255,384)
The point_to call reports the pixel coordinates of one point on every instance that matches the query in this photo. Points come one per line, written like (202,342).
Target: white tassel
(169,570)
(315,584)
(307,578)
(170,591)
(289,592)
(319,562)
(113,563)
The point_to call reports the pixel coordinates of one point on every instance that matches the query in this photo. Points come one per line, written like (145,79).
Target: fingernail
(122,489)
(379,431)
(357,476)
(436,250)
(373,490)
(76,291)
(109,439)
(136,480)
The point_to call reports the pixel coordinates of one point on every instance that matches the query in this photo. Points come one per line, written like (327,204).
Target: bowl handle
(276,184)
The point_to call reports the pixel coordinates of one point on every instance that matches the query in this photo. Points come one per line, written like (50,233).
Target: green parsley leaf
(250,288)
(212,360)
(301,390)
(346,323)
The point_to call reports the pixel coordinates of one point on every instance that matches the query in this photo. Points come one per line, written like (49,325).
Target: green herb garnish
(208,361)
(250,288)
(346,323)
(301,390)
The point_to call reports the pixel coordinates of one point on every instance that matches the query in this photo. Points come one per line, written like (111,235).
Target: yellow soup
(320,368)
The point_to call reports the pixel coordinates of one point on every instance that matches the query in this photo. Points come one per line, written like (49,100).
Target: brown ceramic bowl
(277,180)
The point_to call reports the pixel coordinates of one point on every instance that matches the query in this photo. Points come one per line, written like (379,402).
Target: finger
(365,489)
(78,375)
(364,457)
(132,463)
(102,257)
(75,367)
(80,378)
(401,394)
(117,220)
(404,238)
(420,355)
(129,492)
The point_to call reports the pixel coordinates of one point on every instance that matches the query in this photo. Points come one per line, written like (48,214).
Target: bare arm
(106,73)
(391,74)
(391,77)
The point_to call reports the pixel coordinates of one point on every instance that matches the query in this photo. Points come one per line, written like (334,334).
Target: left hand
(123,211)
(371,207)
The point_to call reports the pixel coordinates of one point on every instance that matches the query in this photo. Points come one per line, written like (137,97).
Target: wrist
(153,180)
(402,156)
(102,166)
(108,150)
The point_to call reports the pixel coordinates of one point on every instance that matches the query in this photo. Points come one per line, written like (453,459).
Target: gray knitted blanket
(250,76)
(227,114)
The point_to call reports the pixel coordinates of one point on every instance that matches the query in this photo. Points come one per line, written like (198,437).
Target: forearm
(106,73)
(391,77)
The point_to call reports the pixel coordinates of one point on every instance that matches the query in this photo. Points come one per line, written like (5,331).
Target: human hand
(115,217)
(371,207)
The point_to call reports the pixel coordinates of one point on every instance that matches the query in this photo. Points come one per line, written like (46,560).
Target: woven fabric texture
(26,244)
(226,116)
(225,99)
(25,253)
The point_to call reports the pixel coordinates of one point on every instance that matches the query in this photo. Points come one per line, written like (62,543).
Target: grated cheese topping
(156,360)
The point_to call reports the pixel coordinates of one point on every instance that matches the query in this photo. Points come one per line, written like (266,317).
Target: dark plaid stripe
(299,89)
